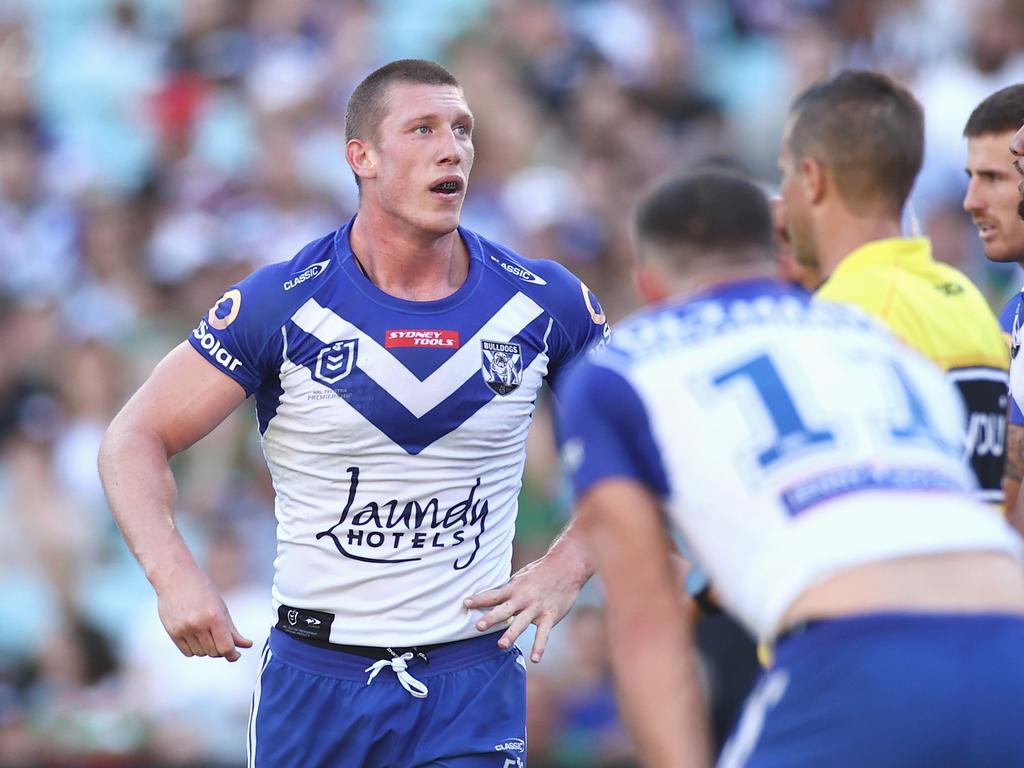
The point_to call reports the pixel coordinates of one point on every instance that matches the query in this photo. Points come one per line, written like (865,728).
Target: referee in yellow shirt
(852,149)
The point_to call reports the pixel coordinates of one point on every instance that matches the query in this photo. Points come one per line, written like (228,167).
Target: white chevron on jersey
(418,397)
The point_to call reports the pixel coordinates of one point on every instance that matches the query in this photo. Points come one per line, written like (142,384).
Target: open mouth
(449,187)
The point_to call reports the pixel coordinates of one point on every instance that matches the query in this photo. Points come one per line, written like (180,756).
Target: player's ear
(649,282)
(361,158)
(814,179)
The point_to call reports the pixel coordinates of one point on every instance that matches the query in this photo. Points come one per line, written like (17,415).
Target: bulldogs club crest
(502,365)
(335,362)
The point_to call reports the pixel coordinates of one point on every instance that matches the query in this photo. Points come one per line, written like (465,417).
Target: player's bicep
(182,401)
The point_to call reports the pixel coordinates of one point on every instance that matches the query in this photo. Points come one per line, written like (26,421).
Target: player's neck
(406,262)
(843,232)
(697,280)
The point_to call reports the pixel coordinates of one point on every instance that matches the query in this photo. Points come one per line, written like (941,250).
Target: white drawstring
(410,683)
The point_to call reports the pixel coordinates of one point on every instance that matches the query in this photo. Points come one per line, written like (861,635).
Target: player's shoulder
(283,280)
(550,284)
(950,282)
(1011,311)
(869,287)
(265,299)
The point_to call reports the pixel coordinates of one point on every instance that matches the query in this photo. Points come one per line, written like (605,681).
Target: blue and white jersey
(395,430)
(1012,322)
(788,440)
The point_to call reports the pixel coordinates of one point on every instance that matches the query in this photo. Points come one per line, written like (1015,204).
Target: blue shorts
(889,691)
(313,708)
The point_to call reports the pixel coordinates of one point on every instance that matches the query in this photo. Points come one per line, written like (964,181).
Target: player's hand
(541,593)
(197,620)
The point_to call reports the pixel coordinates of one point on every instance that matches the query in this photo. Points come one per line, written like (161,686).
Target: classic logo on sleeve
(223,313)
(335,362)
(519,271)
(313,270)
(502,365)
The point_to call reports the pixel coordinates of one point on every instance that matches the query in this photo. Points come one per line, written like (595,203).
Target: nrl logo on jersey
(502,365)
(336,361)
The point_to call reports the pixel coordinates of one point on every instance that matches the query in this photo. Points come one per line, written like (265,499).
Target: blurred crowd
(154,151)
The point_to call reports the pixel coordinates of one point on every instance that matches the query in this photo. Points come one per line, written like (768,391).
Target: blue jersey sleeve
(581,326)
(235,335)
(1010,320)
(242,332)
(604,431)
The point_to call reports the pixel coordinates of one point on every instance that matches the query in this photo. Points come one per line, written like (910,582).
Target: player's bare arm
(181,402)
(541,593)
(649,624)
(1013,471)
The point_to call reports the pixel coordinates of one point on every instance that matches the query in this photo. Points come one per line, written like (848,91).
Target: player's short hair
(868,130)
(368,103)
(707,214)
(1001,112)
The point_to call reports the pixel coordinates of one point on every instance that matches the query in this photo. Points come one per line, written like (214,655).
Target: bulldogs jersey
(1011,322)
(394,430)
(789,440)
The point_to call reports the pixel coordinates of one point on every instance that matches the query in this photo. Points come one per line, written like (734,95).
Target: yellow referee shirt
(938,311)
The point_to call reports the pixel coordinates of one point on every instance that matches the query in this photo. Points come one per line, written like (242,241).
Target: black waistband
(371,652)
(314,628)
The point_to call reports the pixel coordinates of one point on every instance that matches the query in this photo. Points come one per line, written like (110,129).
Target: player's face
(992,197)
(423,155)
(789,269)
(1017,150)
(795,210)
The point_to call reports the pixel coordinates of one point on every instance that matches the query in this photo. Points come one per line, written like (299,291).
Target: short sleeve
(583,327)
(604,431)
(235,336)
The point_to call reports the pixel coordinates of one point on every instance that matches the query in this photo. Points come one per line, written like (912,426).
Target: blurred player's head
(992,196)
(854,145)
(704,223)
(408,134)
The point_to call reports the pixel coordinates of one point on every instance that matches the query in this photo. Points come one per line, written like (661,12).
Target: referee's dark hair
(869,132)
(1002,112)
(707,215)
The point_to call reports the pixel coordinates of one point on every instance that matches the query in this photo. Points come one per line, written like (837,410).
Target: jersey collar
(343,249)
(891,251)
